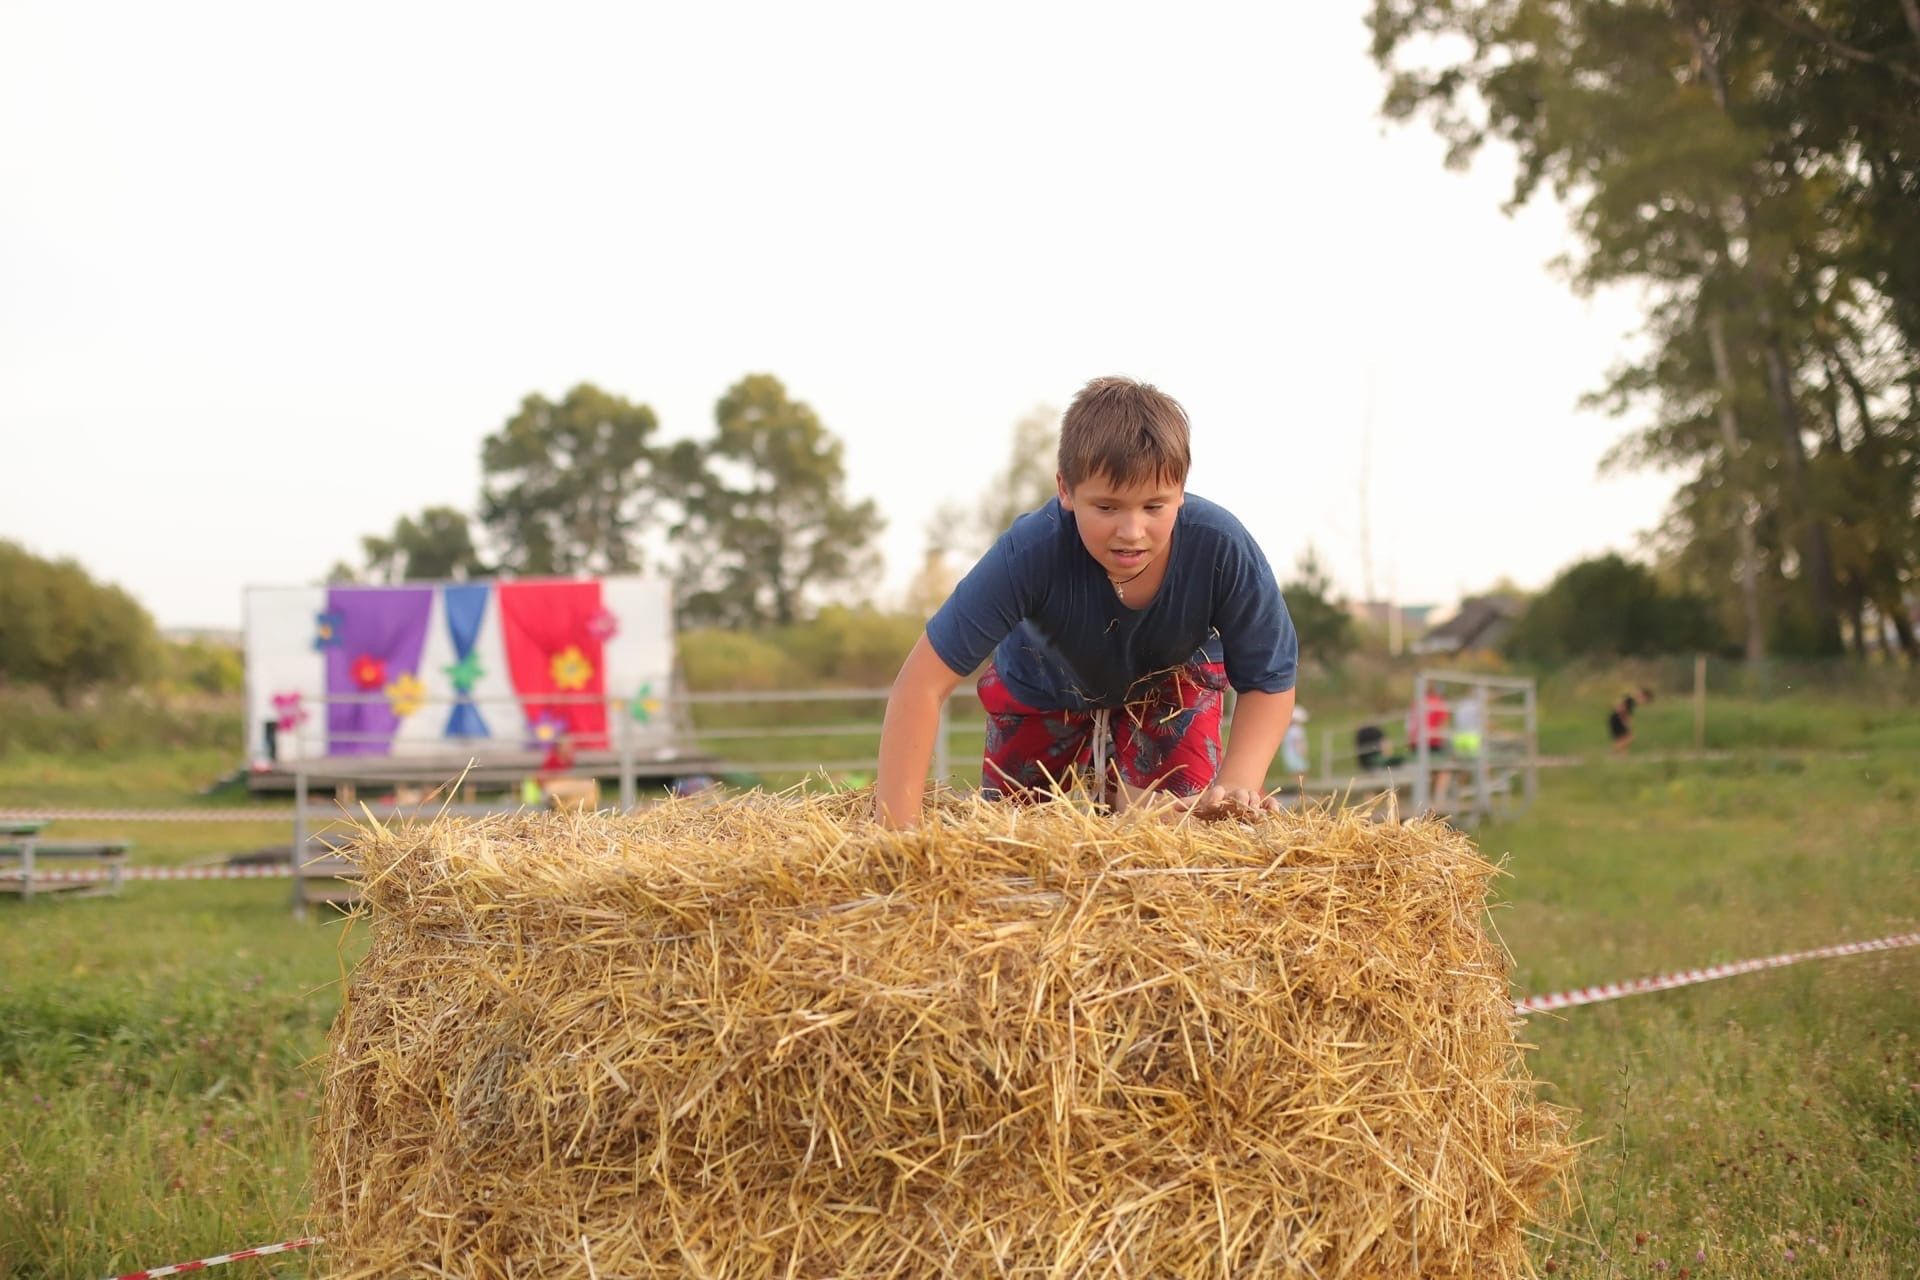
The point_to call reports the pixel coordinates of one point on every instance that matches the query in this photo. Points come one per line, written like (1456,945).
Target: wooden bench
(323,876)
(28,851)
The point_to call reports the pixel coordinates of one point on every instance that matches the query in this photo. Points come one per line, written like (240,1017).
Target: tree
(1026,482)
(1611,607)
(203,666)
(764,521)
(437,544)
(61,629)
(956,535)
(1325,627)
(567,487)
(1754,169)
(935,581)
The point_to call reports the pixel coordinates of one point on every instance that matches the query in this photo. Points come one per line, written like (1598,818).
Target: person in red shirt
(1433,716)
(1437,715)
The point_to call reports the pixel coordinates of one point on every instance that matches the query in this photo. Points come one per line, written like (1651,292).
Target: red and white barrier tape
(238,1255)
(274,816)
(1688,977)
(259,871)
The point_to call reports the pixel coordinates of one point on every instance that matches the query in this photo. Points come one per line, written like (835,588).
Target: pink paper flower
(289,711)
(603,626)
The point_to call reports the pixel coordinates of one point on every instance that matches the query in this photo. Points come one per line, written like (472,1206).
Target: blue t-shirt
(1063,641)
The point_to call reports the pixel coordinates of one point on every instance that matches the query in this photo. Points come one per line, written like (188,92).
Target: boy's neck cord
(1120,584)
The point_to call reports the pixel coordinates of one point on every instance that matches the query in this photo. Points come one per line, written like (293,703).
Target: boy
(1116,615)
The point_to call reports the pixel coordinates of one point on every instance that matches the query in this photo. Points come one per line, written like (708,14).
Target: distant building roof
(1481,622)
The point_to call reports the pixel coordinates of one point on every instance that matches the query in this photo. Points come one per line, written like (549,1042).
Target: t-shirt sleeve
(987,604)
(1256,632)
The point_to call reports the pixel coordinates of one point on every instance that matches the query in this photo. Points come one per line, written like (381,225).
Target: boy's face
(1127,527)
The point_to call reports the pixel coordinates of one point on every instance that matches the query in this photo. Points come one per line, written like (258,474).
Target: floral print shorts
(1166,737)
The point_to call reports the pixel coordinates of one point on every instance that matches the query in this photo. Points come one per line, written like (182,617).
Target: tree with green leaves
(1711,155)
(567,486)
(1320,618)
(1611,607)
(957,533)
(764,522)
(1026,482)
(437,544)
(61,629)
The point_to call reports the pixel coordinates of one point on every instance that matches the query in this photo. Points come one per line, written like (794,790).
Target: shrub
(61,629)
(716,659)
(1610,606)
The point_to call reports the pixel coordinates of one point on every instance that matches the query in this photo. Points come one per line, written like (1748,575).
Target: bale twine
(762,1037)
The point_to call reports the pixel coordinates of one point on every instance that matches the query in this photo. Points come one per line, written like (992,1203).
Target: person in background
(1620,724)
(1294,751)
(1432,718)
(1433,715)
(1370,749)
(1469,727)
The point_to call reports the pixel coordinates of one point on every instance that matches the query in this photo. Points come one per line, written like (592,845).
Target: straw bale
(763,1037)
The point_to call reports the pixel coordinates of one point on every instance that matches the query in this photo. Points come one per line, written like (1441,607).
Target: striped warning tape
(146,815)
(260,871)
(237,1255)
(1688,977)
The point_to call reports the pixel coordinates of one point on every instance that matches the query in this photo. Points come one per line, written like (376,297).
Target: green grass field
(155,1091)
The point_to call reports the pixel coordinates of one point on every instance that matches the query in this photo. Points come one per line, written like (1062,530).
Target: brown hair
(1128,431)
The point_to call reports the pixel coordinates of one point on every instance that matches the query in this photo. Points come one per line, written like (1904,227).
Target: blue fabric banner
(466,606)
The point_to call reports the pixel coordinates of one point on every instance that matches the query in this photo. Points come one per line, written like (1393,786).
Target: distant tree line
(65,632)
(1754,169)
(1610,607)
(752,522)
(62,630)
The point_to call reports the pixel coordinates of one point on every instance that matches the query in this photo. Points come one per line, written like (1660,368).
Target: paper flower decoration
(546,728)
(603,626)
(406,694)
(326,630)
(288,711)
(571,670)
(369,672)
(465,674)
(644,706)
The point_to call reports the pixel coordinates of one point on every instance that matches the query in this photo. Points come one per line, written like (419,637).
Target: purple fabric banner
(384,625)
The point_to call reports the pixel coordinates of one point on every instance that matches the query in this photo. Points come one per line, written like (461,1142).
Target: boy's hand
(1222,797)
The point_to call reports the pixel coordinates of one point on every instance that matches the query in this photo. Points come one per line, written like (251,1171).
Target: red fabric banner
(552,651)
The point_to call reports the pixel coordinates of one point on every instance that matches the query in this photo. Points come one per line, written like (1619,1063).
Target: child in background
(1469,724)
(1620,724)
(1294,752)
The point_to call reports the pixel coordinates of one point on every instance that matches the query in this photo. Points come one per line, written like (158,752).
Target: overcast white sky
(269,273)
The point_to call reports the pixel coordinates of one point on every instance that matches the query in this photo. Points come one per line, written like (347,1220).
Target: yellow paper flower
(406,694)
(571,670)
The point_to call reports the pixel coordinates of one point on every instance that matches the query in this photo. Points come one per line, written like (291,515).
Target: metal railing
(427,761)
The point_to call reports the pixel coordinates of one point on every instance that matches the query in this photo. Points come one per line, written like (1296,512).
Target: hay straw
(764,1038)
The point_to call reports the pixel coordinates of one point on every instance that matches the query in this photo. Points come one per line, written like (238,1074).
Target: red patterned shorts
(1166,737)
